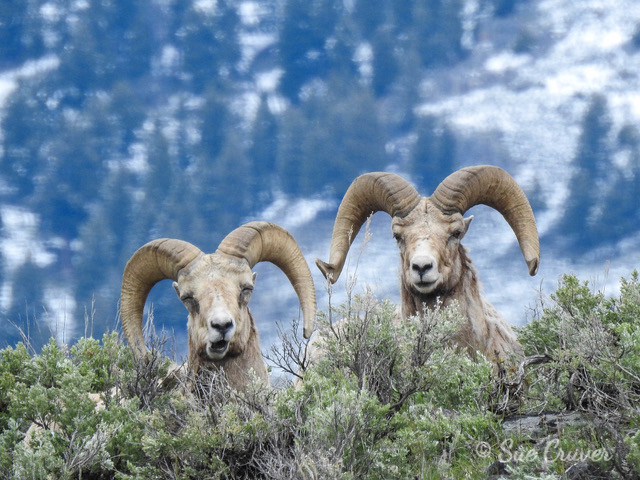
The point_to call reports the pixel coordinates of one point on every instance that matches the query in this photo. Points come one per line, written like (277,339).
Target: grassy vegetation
(388,401)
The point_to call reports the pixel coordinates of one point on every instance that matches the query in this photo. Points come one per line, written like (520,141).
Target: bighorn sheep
(216,288)
(435,265)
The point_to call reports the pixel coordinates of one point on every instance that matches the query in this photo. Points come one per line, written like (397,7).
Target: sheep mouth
(217,349)
(425,286)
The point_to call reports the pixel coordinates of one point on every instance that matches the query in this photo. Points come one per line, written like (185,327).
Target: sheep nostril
(421,269)
(223,327)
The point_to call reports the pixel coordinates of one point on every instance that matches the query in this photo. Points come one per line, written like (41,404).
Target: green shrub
(592,346)
(97,361)
(13,365)
(389,399)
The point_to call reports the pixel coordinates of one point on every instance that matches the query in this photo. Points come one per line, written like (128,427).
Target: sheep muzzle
(422,267)
(219,336)
(216,350)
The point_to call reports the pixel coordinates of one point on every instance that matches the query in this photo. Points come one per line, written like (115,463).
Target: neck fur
(463,287)
(237,368)
(484,330)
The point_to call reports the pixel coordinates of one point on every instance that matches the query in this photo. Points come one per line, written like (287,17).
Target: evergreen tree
(158,181)
(402,16)
(229,189)
(290,152)
(619,215)
(208,42)
(125,31)
(635,39)
(594,147)
(12,18)
(341,49)
(28,302)
(357,135)
(325,14)
(263,152)
(407,95)
(301,43)
(385,66)
(214,123)
(104,243)
(111,41)
(124,115)
(21,32)
(329,140)
(370,16)
(71,182)
(503,8)
(27,125)
(590,166)
(438,31)
(434,153)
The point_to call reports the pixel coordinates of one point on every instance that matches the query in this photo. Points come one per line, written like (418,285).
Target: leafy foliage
(388,399)
(592,345)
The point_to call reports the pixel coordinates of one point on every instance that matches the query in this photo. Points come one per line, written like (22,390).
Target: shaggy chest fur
(484,330)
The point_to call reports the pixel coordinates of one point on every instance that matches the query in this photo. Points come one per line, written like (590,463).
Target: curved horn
(494,187)
(368,193)
(268,242)
(155,261)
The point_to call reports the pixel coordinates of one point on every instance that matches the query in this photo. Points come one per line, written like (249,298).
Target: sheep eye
(245,294)
(190,302)
(456,235)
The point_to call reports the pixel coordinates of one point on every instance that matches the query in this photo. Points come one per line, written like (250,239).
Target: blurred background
(125,121)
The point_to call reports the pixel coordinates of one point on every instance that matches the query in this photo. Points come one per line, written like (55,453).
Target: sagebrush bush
(592,343)
(388,399)
(592,346)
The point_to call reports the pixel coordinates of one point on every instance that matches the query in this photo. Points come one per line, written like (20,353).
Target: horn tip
(307,331)
(533,264)
(327,269)
(138,348)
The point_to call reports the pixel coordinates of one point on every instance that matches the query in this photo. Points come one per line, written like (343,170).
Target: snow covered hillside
(199,116)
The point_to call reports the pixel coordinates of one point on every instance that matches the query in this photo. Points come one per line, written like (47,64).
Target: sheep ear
(175,287)
(255,275)
(466,222)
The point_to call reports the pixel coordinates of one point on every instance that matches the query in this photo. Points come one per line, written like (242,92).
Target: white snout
(423,271)
(220,327)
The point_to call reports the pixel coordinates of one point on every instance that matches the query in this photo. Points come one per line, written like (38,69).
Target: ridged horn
(268,242)
(155,261)
(492,186)
(368,193)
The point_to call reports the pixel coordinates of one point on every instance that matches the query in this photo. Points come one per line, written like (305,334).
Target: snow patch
(9,80)
(363,56)
(293,213)
(207,7)
(579,79)
(268,81)
(251,13)
(19,242)
(505,61)
(59,304)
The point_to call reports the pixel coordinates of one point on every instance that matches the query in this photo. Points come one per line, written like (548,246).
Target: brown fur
(486,330)
(239,365)
(215,283)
